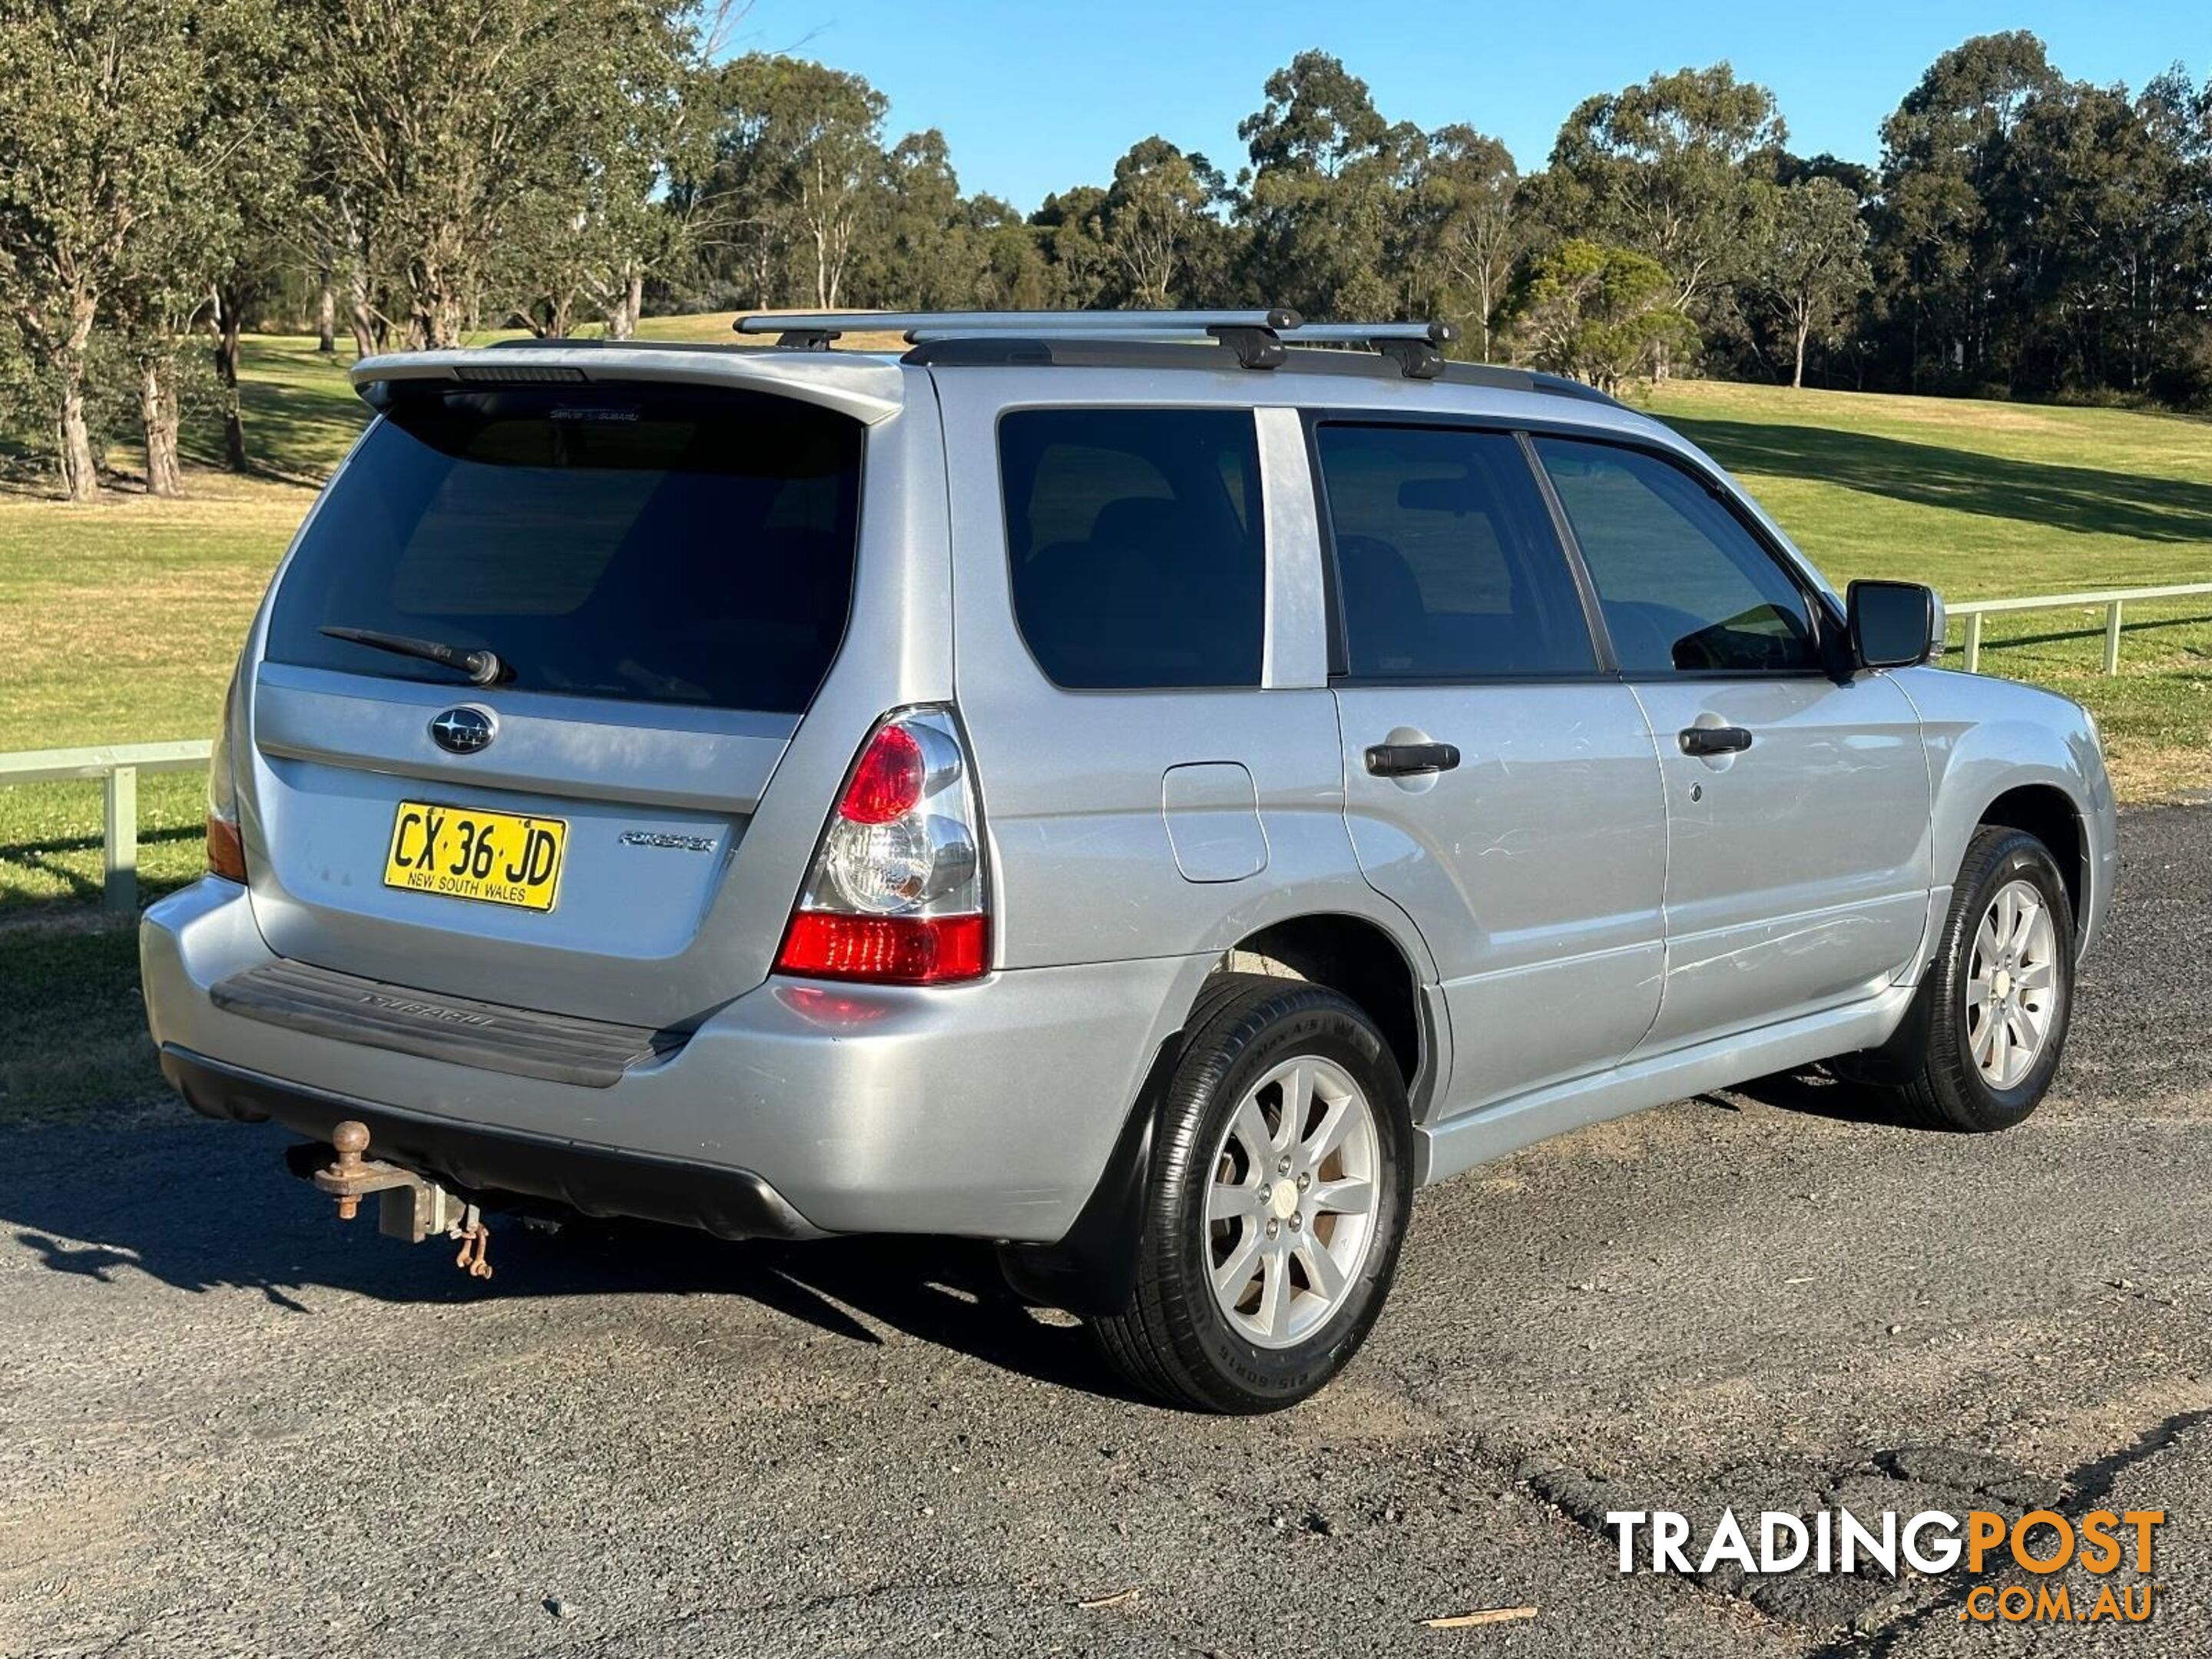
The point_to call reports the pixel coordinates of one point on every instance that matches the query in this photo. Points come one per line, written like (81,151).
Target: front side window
(1447,565)
(654,543)
(1135,548)
(1684,585)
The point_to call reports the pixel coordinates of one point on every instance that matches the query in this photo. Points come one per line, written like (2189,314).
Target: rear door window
(1135,538)
(652,544)
(1447,566)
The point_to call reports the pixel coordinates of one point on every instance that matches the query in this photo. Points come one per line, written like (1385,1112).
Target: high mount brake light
(897,894)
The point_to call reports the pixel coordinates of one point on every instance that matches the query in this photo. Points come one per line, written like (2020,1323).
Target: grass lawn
(1990,499)
(123,618)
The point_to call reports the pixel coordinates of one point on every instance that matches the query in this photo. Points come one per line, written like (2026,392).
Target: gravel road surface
(229,1424)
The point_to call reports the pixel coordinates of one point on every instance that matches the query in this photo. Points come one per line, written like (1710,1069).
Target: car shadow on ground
(206,1207)
(1815,1092)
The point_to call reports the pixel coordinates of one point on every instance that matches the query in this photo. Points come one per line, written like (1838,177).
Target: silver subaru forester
(1149,790)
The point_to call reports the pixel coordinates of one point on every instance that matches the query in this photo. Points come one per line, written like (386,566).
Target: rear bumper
(596,1180)
(986,1110)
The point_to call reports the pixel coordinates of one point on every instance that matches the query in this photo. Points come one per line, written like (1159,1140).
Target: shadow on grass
(203,1207)
(2084,499)
(72,1022)
(73,860)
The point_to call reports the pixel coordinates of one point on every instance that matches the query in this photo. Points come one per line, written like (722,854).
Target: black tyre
(1990,1026)
(1280,1179)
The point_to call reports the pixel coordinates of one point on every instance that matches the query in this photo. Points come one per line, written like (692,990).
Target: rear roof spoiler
(868,389)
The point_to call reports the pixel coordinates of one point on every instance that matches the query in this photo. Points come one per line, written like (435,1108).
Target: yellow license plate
(463,853)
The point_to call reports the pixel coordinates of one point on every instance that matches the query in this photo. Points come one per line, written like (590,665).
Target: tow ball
(409,1205)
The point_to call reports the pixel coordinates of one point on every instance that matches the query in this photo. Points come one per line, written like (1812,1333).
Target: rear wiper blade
(483,667)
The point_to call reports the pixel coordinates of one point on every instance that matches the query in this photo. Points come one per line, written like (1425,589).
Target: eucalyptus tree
(1676,169)
(1327,198)
(1159,222)
(1079,269)
(469,145)
(1942,257)
(99,102)
(1812,264)
(1474,226)
(800,161)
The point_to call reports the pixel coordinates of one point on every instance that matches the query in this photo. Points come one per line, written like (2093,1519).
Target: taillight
(896,892)
(225,847)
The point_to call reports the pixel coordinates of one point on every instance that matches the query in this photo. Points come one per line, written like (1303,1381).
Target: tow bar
(409,1205)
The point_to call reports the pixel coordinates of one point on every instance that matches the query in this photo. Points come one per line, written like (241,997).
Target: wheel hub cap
(1292,1208)
(2012,986)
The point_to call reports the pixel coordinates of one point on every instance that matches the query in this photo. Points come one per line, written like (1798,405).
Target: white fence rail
(2112,599)
(117,766)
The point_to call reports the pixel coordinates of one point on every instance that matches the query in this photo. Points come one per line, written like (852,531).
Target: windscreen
(654,543)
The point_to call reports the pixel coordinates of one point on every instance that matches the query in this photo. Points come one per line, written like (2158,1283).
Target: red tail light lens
(886,950)
(887,780)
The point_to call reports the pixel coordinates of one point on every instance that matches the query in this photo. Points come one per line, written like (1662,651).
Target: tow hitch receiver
(409,1205)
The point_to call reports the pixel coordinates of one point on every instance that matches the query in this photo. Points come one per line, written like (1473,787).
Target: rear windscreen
(655,544)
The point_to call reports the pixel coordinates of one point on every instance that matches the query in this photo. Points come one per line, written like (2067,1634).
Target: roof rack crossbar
(830,324)
(1257,337)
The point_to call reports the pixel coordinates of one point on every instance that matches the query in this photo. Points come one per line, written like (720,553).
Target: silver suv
(1149,791)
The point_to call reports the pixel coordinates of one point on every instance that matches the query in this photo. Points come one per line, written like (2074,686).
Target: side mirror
(1893,624)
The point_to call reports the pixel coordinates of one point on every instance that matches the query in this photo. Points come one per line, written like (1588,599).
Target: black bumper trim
(592,1053)
(598,1181)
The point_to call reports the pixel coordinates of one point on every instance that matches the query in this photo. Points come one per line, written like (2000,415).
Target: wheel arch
(1358,958)
(2053,817)
(1091,1267)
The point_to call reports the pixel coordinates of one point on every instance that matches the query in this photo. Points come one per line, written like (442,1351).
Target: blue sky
(1037,96)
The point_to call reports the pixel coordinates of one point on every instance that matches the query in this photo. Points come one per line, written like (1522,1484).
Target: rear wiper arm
(483,667)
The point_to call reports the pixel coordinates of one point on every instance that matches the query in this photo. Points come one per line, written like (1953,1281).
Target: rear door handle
(1714,739)
(1411,759)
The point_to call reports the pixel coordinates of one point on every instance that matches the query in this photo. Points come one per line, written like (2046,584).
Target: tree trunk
(362,324)
(157,414)
(327,307)
(80,478)
(621,318)
(361,315)
(229,324)
(1797,376)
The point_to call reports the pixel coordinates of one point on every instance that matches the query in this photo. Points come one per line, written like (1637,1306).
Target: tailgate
(664,574)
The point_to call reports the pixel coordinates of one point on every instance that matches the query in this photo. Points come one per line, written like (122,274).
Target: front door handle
(1410,760)
(1714,739)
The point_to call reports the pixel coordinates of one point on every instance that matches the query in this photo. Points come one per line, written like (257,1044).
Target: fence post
(1973,641)
(119,837)
(2112,638)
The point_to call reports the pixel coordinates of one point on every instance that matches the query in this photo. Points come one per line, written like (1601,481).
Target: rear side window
(1447,568)
(1135,545)
(652,544)
(1684,588)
